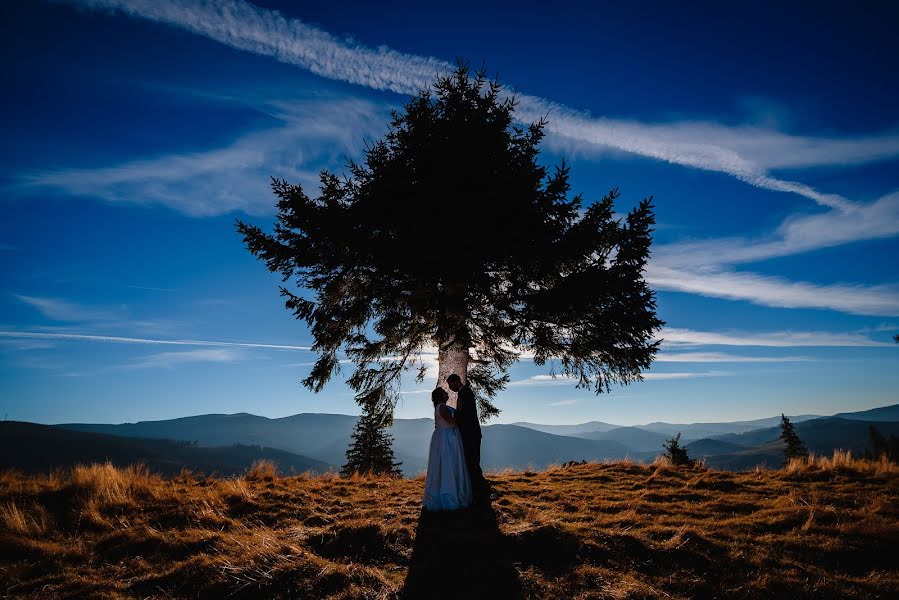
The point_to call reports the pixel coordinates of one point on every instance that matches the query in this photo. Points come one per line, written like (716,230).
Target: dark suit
(470,432)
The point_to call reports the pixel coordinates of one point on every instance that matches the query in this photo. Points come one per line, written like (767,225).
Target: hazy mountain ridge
(325,437)
(35,448)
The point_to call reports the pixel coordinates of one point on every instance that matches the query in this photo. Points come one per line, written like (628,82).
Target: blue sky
(135,132)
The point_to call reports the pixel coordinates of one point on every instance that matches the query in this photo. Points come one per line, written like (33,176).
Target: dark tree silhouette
(676,453)
(451,236)
(881,446)
(371,449)
(794,446)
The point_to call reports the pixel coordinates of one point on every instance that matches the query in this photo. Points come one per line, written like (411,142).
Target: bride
(447,486)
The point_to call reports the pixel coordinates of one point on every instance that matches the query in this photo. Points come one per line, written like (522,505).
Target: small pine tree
(795,448)
(371,450)
(676,453)
(881,446)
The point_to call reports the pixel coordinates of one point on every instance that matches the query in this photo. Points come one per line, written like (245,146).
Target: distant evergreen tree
(795,448)
(676,453)
(371,450)
(881,446)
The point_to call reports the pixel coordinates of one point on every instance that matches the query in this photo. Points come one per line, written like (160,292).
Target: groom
(470,431)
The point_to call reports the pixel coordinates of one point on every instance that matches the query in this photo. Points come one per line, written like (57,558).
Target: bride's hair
(439,395)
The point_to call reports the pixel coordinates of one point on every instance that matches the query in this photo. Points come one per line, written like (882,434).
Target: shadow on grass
(461,554)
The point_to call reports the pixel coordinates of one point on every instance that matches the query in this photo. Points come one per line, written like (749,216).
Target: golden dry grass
(820,528)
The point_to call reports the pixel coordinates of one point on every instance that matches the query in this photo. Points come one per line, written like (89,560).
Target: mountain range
(227,443)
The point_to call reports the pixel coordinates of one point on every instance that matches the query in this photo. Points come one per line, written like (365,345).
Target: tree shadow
(461,554)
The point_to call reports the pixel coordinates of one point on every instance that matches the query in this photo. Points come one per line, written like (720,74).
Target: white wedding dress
(447,486)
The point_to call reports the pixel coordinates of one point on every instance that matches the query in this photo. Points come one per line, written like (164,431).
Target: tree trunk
(452,360)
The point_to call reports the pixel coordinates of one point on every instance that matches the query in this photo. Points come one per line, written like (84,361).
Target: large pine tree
(452,236)
(371,449)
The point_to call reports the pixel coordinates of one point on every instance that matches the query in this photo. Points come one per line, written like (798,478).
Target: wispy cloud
(723,357)
(798,233)
(152,289)
(543,380)
(547,380)
(747,153)
(314,132)
(775,339)
(562,403)
(133,340)
(25,345)
(704,267)
(63,310)
(687,375)
(172,359)
(879,300)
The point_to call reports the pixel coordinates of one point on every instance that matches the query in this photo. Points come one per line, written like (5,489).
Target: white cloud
(718,357)
(62,310)
(562,403)
(131,340)
(548,380)
(882,300)
(782,339)
(688,375)
(798,233)
(172,359)
(314,133)
(544,380)
(747,153)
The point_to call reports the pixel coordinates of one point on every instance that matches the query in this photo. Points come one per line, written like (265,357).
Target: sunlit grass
(820,527)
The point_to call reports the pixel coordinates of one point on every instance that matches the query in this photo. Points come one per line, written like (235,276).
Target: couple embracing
(454,477)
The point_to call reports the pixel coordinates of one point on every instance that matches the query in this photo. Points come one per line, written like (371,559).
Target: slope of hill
(821,436)
(634,438)
(883,413)
(569,430)
(37,448)
(695,431)
(519,447)
(592,531)
(326,437)
(707,447)
(309,434)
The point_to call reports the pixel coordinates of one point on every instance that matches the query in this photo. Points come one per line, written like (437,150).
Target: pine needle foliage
(371,449)
(676,453)
(450,233)
(795,448)
(881,447)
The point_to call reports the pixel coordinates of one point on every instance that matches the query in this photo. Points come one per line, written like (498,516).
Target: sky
(136,132)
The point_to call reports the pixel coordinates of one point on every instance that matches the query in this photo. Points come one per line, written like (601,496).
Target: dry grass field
(826,528)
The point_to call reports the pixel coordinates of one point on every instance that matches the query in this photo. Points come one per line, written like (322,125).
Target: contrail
(131,340)
(244,26)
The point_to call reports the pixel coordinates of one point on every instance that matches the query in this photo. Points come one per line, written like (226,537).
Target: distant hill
(695,431)
(635,438)
(35,448)
(569,430)
(821,436)
(309,434)
(883,413)
(707,446)
(325,437)
(520,447)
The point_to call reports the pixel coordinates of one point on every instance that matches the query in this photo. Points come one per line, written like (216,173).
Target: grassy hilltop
(825,529)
